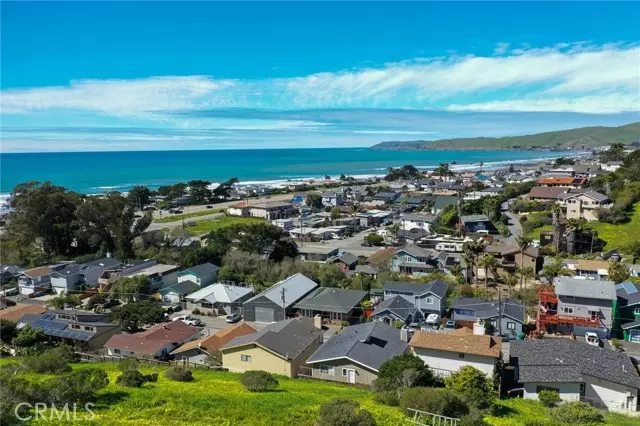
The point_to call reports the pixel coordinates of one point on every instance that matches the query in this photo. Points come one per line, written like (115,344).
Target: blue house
(413,260)
(411,302)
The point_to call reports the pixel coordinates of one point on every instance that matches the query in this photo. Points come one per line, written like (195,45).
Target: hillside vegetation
(582,138)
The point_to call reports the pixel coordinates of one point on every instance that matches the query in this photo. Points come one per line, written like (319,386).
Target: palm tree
(528,273)
(489,263)
(510,280)
(474,249)
(524,243)
(556,269)
(469,261)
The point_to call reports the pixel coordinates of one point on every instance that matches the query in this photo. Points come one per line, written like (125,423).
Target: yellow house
(279,348)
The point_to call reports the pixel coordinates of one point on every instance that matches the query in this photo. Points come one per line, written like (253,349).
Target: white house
(577,371)
(446,353)
(412,221)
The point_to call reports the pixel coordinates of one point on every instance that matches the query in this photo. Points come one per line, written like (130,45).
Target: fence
(429,419)
(85,357)
(441,372)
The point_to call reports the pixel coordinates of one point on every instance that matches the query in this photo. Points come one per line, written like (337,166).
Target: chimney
(404,334)
(317,322)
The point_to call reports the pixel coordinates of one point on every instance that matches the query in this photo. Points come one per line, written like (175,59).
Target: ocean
(99,172)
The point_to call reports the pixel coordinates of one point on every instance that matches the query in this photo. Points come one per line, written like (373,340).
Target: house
(542,193)
(381,198)
(279,348)
(278,301)
(239,209)
(8,272)
(333,198)
(447,261)
(611,166)
(577,371)
(374,217)
(366,270)
(443,201)
(73,277)
(156,342)
(175,293)
(477,223)
(576,306)
(411,302)
(412,236)
(334,304)
(628,295)
(316,254)
(446,353)
(80,329)
(447,187)
(273,210)
(506,316)
(510,258)
(158,274)
(346,261)
(419,221)
(203,275)
(35,280)
(356,353)
(16,312)
(588,269)
(565,182)
(412,260)
(584,205)
(220,298)
(446,242)
(200,350)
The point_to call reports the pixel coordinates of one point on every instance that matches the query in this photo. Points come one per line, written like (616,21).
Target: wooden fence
(86,357)
(429,419)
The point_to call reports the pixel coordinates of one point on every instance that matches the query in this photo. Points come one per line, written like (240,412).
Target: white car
(194,322)
(233,318)
(592,338)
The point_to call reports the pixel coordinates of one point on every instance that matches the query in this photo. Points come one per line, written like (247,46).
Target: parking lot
(351,244)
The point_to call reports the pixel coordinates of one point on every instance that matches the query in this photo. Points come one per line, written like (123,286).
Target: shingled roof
(461,341)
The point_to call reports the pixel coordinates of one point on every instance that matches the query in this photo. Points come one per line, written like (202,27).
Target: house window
(581,388)
(636,311)
(593,314)
(567,310)
(326,369)
(511,325)
(569,297)
(75,326)
(461,355)
(429,301)
(245,358)
(116,351)
(88,328)
(344,372)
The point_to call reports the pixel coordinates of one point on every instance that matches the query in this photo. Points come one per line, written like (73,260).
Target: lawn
(177,217)
(615,236)
(515,412)
(206,226)
(218,398)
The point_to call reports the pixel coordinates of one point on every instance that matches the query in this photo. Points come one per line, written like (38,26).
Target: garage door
(634,336)
(264,314)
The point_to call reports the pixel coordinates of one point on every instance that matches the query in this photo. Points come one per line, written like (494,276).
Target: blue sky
(206,75)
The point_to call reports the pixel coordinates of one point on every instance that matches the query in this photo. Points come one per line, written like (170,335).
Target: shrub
(179,374)
(48,362)
(128,364)
(466,291)
(131,379)
(539,422)
(475,419)
(389,397)
(259,381)
(151,377)
(196,311)
(576,412)
(467,379)
(432,400)
(78,386)
(344,412)
(392,373)
(615,343)
(549,398)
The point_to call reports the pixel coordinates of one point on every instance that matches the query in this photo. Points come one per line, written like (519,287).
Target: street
(514,224)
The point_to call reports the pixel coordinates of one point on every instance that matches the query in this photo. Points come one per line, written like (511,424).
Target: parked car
(209,207)
(592,338)
(189,320)
(450,325)
(233,318)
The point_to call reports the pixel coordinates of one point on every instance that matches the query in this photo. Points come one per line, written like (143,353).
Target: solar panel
(629,287)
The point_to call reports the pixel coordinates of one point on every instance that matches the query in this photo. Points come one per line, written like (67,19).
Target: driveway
(351,244)
(514,224)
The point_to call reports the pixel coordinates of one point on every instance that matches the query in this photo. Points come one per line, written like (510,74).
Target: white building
(412,221)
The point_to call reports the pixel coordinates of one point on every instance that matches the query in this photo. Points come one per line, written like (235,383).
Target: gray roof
(631,324)
(182,288)
(593,194)
(439,288)
(414,233)
(288,338)
(563,361)
(332,300)
(416,251)
(105,263)
(348,258)
(397,305)
(445,200)
(204,269)
(366,269)
(484,309)
(296,286)
(415,217)
(592,289)
(368,344)
(628,293)
(474,218)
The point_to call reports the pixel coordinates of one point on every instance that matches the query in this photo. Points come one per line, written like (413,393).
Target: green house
(629,310)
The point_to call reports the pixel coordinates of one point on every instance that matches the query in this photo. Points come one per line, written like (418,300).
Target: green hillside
(582,138)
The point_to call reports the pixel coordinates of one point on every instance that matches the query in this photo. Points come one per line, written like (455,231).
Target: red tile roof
(152,340)
(215,341)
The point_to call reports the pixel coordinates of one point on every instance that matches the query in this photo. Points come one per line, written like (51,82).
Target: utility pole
(499,313)
(284,309)
(460,213)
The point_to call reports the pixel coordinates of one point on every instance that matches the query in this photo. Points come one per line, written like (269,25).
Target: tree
(139,196)
(63,301)
(618,272)
(524,243)
(131,288)
(335,213)
(443,170)
(614,153)
(405,172)
(489,263)
(466,379)
(133,316)
(224,189)
(374,239)
(563,161)
(313,200)
(392,371)
(510,280)
(199,191)
(344,412)
(633,249)
(28,337)
(7,330)
(472,250)
(556,269)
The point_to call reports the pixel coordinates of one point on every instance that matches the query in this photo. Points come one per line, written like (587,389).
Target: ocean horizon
(99,172)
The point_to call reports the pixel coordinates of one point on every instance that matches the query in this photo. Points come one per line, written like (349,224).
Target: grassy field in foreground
(206,226)
(185,216)
(515,412)
(615,236)
(218,398)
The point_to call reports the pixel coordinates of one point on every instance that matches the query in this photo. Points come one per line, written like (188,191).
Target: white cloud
(542,79)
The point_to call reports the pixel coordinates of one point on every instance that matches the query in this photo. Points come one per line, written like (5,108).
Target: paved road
(514,224)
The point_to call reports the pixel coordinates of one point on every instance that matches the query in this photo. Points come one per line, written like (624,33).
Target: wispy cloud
(524,79)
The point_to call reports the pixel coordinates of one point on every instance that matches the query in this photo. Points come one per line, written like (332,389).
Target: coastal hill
(582,138)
